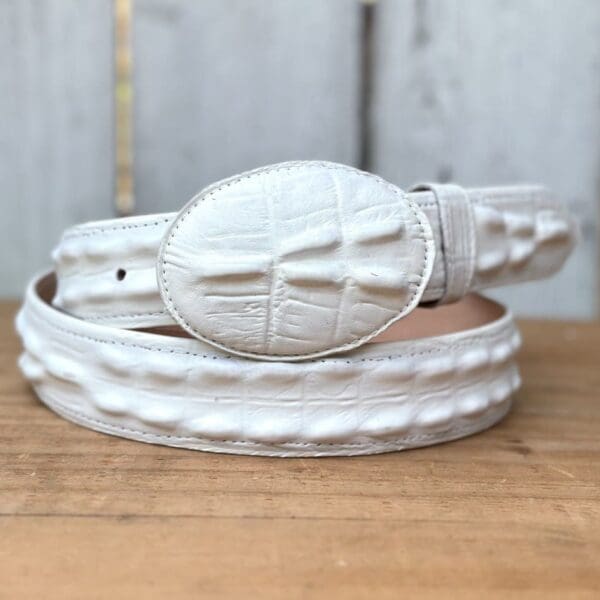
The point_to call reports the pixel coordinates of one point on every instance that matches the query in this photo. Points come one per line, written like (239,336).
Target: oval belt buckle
(295,260)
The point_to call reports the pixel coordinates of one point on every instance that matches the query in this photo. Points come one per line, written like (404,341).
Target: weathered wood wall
(478,92)
(56,127)
(227,86)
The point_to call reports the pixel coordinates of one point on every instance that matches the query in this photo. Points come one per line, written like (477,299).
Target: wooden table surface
(514,511)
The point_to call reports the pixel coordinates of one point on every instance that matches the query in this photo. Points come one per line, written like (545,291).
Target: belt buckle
(295,260)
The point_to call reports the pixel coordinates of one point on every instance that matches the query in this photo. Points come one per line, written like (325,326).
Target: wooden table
(514,511)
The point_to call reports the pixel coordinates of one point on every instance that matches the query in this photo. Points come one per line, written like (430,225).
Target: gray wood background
(486,92)
(56,127)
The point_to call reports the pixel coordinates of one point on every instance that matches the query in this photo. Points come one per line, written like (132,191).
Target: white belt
(268,274)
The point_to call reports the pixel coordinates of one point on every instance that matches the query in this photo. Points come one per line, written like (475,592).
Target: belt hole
(121,273)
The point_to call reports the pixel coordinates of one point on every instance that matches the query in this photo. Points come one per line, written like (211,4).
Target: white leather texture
(295,260)
(182,392)
(520,234)
(292,261)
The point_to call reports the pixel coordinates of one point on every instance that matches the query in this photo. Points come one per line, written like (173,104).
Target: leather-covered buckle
(295,260)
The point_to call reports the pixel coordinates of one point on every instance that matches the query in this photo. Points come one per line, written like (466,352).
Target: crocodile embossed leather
(300,309)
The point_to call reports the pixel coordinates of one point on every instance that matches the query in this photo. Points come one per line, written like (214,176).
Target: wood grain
(512,512)
(56,133)
(496,92)
(221,87)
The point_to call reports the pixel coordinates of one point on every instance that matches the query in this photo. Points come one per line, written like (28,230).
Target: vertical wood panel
(497,91)
(56,158)
(221,86)
(56,132)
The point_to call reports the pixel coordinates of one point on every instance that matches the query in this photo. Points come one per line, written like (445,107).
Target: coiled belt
(300,309)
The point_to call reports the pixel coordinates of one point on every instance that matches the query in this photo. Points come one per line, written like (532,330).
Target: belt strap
(107,269)
(444,373)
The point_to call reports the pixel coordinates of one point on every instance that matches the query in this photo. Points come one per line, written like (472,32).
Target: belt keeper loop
(457,224)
